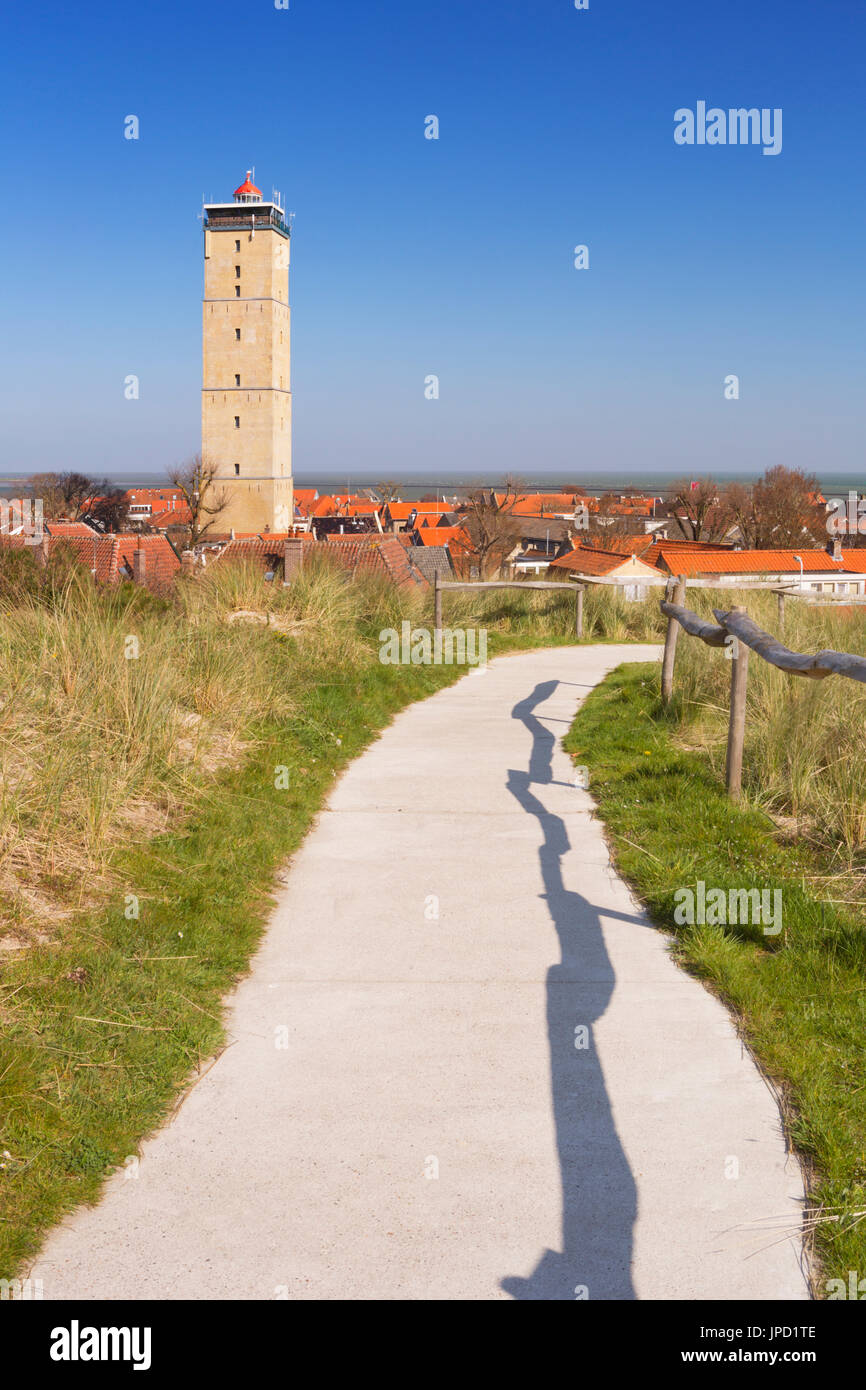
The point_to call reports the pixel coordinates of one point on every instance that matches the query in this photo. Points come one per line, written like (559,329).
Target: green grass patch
(800,996)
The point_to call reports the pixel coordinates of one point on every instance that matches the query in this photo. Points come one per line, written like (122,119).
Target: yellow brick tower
(246,417)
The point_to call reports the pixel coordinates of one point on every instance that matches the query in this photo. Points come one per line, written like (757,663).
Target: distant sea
(447,484)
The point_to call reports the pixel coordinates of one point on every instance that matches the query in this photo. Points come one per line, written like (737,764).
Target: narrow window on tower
(237,291)
(237,422)
(237,378)
(237,470)
(237,335)
(237,246)
(237,272)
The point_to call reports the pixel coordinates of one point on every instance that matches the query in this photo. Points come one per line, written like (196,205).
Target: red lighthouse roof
(247,189)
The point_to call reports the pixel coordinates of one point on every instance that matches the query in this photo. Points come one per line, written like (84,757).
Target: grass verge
(798,997)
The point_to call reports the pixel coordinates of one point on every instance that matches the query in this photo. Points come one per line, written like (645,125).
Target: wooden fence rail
(740,634)
(440,585)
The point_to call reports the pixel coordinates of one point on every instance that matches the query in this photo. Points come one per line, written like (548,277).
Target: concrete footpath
(464,1065)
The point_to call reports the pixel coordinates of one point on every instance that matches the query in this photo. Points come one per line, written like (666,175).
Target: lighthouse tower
(246,422)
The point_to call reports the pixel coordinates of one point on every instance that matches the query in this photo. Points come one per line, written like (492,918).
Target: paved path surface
(430,1130)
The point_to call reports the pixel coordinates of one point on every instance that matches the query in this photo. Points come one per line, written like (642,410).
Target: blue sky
(412,257)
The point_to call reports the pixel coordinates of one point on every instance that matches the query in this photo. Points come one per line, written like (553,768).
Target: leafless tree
(779,511)
(388,491)
(196,480)
(76,496)
(108,507)
(704,517)
(492,528)
(48,487)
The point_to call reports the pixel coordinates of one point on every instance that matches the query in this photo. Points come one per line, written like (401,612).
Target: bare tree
(607,525)
(63,494)
(738,502)
(48,487)
(703,518)
(196,480)
(107,507)
(779,511)
(492,528)
(786,508)
(388,491)
(79,493)
(76,496)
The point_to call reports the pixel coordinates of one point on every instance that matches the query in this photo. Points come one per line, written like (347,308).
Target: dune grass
(806,739)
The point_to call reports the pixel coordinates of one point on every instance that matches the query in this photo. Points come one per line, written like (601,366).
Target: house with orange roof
(831,571)
(305,497)
(396,514)
(144,504)
(586,562)
(442,535)
(179,515)
(564,506)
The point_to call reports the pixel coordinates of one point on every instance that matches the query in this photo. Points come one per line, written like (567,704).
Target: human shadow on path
(599,1197)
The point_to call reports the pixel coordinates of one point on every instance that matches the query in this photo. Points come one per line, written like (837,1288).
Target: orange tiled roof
(179,515)
(765,562)
(635,506)
(585,560)
(530,503)
(69,528)
(444,535)
(323,506)
(625,545)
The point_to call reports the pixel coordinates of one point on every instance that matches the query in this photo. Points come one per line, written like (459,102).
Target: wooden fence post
(675,593)
(437,603)
(781,601)
(737,725)
(578,613)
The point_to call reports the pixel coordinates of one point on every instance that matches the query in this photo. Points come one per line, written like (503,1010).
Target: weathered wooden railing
(439,586)
(739,634)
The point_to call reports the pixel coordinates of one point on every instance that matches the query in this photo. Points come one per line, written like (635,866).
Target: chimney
(187,561)
(293,558)
(139,565)
(834,548)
